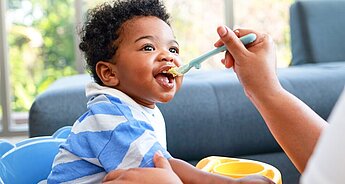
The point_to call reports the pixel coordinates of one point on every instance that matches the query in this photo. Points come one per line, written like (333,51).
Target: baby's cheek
(178,61)
(179,80)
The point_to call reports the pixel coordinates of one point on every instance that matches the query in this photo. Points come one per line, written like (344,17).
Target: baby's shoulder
(106,104)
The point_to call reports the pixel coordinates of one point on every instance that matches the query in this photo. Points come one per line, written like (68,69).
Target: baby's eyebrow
(153,39)
(144,37)
(174,41)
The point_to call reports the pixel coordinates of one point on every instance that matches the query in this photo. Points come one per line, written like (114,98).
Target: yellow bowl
(239,169)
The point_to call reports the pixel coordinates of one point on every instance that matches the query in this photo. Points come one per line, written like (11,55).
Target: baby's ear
(107,73)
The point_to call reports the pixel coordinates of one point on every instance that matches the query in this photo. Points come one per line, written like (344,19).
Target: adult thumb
(233,44)
(160,161)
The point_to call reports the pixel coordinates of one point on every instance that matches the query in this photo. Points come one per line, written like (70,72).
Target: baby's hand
(254,179)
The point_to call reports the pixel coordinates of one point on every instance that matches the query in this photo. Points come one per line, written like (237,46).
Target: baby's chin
(166,98)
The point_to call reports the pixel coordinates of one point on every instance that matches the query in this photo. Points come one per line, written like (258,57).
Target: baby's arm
(190,175)
(164,174)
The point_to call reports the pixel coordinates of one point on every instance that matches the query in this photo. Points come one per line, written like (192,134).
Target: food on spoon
(173,71)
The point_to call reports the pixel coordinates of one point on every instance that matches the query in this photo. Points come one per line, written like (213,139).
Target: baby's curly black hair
(103,24)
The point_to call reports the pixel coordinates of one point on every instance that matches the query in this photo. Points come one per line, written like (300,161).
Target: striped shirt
(114,133)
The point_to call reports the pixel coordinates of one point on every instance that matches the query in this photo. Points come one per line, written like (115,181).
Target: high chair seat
(30,160)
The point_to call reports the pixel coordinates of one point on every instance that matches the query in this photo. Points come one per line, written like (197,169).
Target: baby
(129,47)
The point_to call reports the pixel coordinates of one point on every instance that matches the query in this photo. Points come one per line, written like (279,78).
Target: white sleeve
(327,164)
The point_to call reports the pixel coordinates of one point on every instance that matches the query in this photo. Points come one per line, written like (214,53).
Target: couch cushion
(60,105)
(317,31)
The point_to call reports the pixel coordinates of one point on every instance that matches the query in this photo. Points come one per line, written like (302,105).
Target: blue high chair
(30,160)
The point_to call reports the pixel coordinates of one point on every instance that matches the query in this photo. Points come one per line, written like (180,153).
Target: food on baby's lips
(173,71)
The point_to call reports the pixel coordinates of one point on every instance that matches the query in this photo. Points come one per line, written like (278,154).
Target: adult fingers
(220,42)
(232,42)
(257,179)
(260,37)
(113,175)
(229,60)
(242,32)
(160,161)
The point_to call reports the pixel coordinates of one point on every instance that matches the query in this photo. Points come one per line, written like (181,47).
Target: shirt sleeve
(327,164)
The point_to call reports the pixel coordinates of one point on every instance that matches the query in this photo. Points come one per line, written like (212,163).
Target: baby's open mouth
(165,79)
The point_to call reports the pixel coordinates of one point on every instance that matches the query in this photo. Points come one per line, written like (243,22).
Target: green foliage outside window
(41,49)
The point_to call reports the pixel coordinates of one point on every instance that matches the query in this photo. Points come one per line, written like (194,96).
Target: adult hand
(254,179)
(163,173)
(254,64)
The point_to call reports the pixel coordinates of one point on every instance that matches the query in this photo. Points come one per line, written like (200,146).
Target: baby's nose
(168,58)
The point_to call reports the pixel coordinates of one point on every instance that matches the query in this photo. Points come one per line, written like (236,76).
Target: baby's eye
(174,50)
(148,48)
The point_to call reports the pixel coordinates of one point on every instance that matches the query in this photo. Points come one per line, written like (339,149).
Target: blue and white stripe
(112,134)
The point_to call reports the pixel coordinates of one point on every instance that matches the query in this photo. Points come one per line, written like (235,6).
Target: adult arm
(293,124)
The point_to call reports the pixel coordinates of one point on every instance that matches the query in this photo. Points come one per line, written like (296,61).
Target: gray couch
(317,31)
(211,115)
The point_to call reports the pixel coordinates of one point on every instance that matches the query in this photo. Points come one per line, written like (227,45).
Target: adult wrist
(264,93)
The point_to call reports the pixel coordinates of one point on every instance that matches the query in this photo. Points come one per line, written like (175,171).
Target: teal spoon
(179,71)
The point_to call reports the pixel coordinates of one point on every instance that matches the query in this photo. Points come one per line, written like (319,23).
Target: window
(269,16)
(1,114)
(194,23)
(4,87)
(40,38)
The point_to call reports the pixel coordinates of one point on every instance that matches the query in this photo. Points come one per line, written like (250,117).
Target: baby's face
(146,50)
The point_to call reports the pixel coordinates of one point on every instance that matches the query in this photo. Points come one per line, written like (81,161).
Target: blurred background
(39,42)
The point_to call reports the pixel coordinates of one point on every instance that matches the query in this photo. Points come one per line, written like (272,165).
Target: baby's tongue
(163,80)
